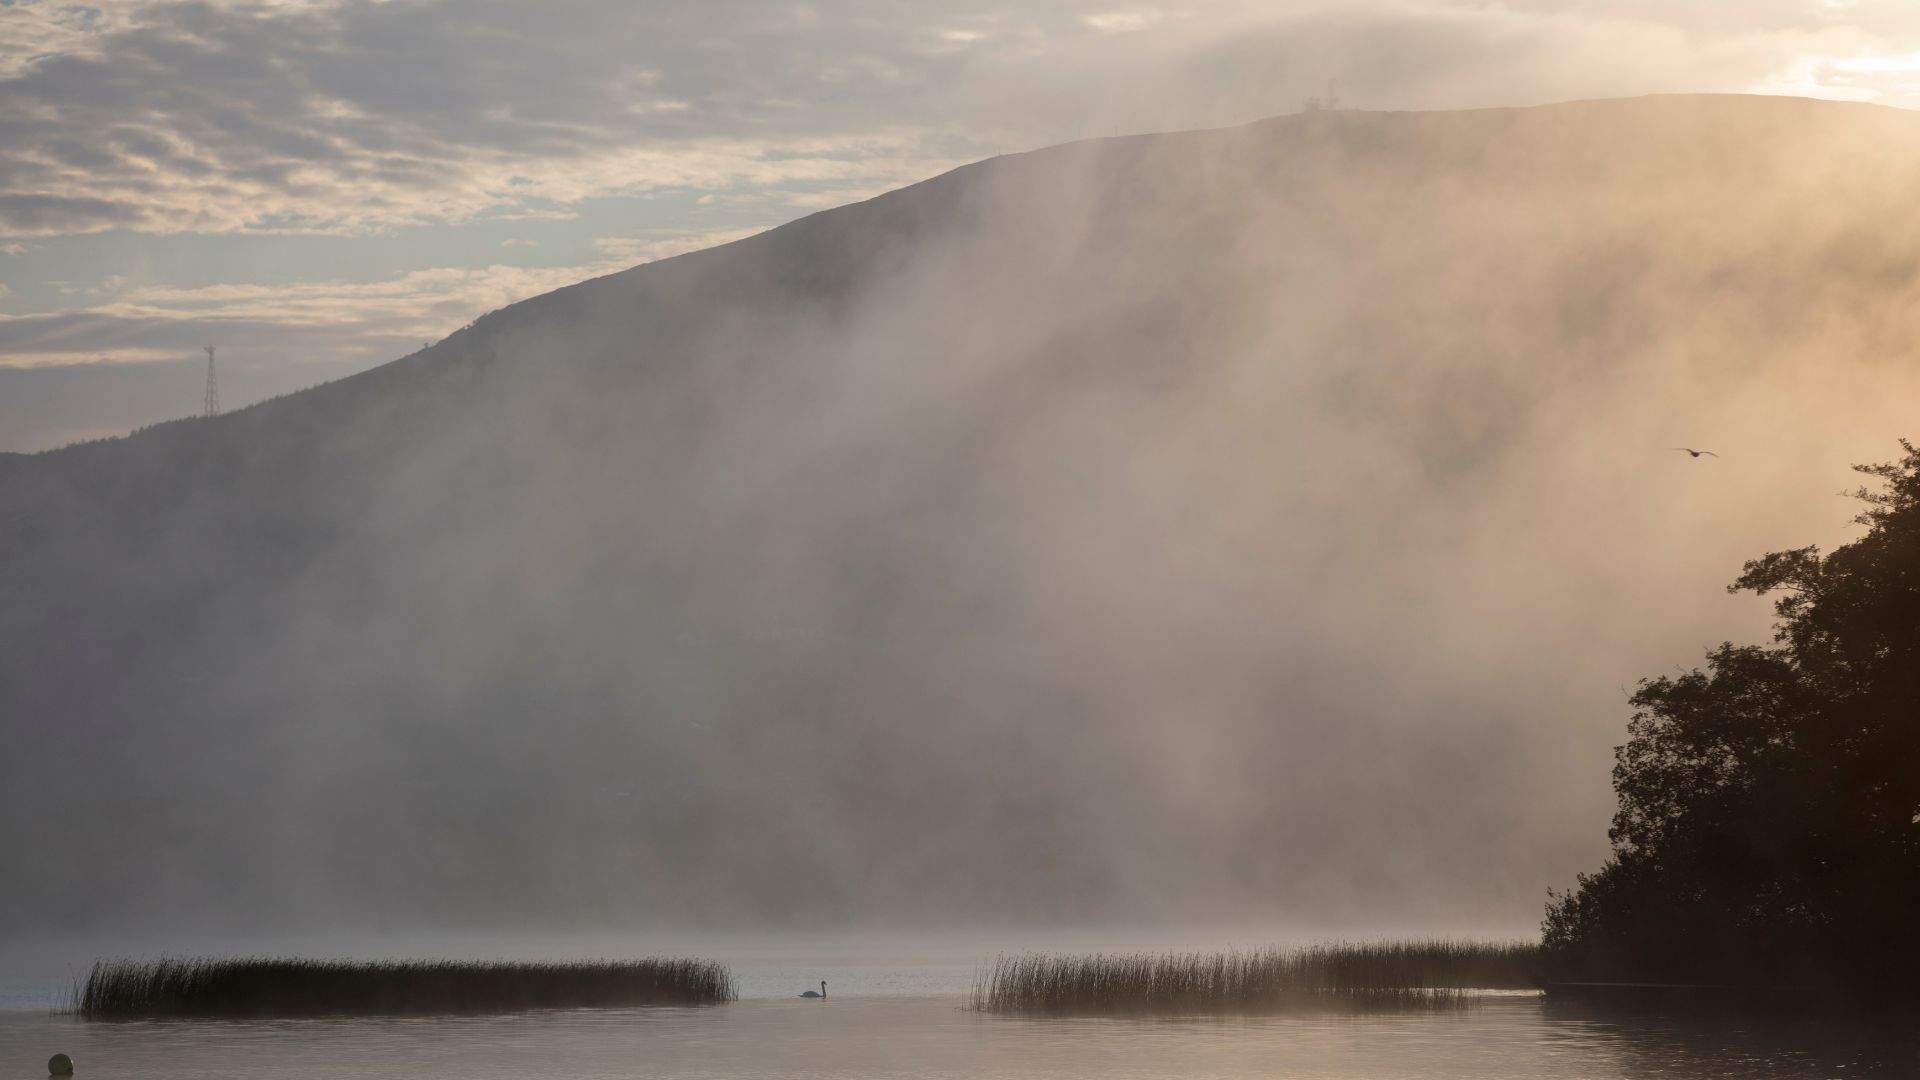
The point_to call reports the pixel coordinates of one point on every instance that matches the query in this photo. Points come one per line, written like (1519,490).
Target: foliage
(1769,806)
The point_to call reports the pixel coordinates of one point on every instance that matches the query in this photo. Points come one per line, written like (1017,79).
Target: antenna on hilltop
(1330,103)
(212,407)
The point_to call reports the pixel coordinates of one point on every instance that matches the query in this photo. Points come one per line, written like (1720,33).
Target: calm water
(899,1012)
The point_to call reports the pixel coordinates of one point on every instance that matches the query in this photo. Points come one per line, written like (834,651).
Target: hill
(1255,523)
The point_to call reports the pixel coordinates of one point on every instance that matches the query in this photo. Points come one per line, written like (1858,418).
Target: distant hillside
(1255,523)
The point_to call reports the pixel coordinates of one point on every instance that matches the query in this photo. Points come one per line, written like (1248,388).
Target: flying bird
(1695,453)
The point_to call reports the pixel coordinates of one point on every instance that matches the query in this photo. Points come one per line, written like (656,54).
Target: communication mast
(213,388)
(1330,103)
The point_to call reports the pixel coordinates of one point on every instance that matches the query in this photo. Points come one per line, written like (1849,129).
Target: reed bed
(1385,976)
(275,986)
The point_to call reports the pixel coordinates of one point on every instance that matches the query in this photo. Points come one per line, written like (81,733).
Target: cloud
(830,197)
(368,320)
(345,117)
(13,249)
(345,315)
(517,242)
(40,214)
(355,117)
(633,250)
(1122,22)
(131,337)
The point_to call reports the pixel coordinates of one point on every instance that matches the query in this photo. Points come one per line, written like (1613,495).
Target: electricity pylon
(213,388)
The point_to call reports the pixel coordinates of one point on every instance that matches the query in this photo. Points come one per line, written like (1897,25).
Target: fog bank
(1253,524)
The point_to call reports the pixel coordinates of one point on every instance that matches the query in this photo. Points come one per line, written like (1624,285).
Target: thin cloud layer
(211,117)
(358,116)
(418,304)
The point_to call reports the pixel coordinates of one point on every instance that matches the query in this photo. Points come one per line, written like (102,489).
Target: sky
(320,187)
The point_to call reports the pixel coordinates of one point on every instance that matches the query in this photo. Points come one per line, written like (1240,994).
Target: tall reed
(274,986)
(1375,975)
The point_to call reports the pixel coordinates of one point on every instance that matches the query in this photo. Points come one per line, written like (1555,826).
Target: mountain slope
(1254,523)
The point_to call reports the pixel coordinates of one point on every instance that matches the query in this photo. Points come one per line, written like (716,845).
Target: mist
(1254,525)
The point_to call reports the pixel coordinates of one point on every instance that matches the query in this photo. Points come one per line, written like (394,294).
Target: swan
(821,994)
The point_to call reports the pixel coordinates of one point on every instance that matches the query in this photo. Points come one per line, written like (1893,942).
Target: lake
(897,1009)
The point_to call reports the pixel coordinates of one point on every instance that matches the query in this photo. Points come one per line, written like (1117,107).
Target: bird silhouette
(821,994)
(1695,453)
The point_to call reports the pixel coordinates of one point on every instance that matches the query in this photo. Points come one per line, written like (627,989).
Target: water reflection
(1782,1039)
(935,1038)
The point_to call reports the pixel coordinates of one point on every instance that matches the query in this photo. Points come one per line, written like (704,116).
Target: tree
(1769,806)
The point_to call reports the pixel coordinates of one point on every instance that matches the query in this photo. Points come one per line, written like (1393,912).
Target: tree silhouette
(1769,806)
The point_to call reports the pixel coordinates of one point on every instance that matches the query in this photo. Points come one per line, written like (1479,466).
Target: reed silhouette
(274,986)
(1376,975)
